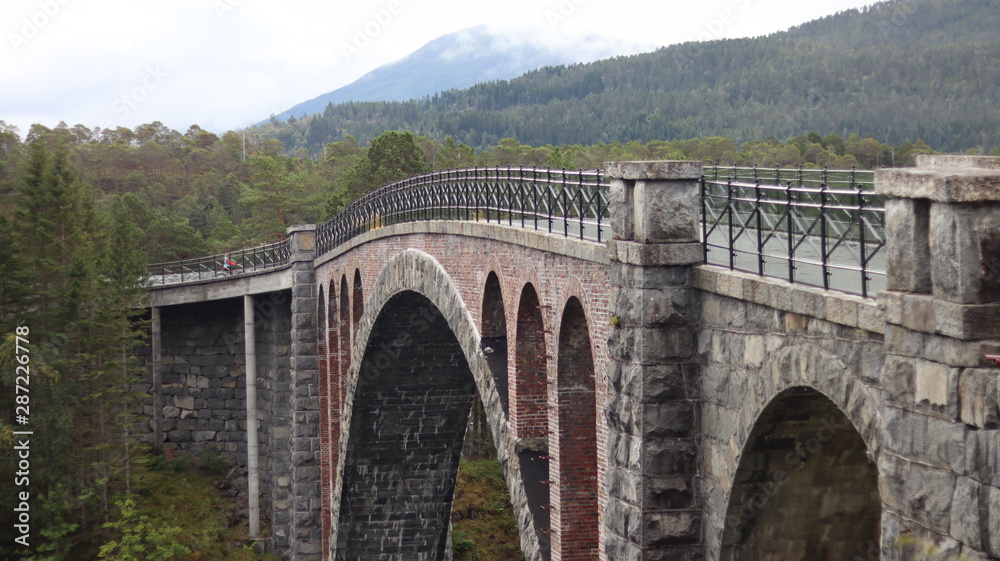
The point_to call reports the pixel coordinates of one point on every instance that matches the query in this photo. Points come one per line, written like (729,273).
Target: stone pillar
(940,473)
(253,445)
(653,509)
(305,531)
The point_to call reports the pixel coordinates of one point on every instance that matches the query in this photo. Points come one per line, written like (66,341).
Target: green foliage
(897,70)
(483,525)
(141,539)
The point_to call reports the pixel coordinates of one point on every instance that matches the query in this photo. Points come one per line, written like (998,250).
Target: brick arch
(346,342)
(807,369)
(414,282)
(576,501)
(493,322)
(357,298)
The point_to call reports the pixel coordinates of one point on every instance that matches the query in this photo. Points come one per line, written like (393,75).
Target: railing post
(823,244)
(861,240)
(789,201)
(654,213)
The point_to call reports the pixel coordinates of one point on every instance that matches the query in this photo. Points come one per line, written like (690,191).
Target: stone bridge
(643,405)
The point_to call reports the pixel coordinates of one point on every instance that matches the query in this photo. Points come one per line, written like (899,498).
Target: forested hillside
(83,211)
(900,70)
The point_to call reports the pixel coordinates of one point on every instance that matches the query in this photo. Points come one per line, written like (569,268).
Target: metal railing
(818,227)
(570,203)
(253,260)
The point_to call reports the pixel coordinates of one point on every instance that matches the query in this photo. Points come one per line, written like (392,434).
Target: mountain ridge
(897,70)
(459,60)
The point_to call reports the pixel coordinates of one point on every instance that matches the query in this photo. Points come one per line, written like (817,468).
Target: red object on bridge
(995,359)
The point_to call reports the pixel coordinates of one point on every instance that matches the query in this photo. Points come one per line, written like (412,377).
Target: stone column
(653,509)
(306,525)
(940,472)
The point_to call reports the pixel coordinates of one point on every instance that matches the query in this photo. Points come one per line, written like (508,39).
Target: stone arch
(576,504)
(816,383)
(414,289)
(805,487)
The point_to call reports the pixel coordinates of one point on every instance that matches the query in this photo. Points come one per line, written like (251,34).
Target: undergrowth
(173,512)
(482,521)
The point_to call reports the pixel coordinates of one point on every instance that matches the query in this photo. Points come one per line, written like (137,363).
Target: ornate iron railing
(819,227)
(253,260)
(570,203)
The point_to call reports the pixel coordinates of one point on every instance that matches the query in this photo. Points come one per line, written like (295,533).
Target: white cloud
(228,63)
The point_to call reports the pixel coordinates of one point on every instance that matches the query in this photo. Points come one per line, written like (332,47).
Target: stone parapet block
(659,169)
(656,254)
(302,242)
(926,314)
(836,307)
(945,179)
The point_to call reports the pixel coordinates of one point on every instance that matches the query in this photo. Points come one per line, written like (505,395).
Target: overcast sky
(224,64)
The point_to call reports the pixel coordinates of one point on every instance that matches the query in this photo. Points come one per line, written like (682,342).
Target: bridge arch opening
(805,488)
(494,337)
(530,412)
(346,345)
(358,298)
(577,448)
(411,408)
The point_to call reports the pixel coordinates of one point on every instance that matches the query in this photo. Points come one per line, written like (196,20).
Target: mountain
(898,70)
(464,58)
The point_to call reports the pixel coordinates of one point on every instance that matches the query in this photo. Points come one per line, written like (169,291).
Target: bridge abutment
(941,469)
(653,509)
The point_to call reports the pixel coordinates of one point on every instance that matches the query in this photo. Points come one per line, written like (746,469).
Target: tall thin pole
(157,379)
(253,475)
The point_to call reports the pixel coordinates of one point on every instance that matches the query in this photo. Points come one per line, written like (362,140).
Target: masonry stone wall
(202,381)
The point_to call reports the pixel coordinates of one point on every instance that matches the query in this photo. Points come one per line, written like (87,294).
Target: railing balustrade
(253,260)
(819,227)
(567,202)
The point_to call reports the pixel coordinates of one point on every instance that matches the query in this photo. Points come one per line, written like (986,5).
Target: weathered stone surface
(967,521)
(620,197)
(940,184)
(907,230)
(664,169)
(666,211)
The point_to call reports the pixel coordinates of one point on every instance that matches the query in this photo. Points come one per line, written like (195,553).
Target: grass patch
(482,520)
